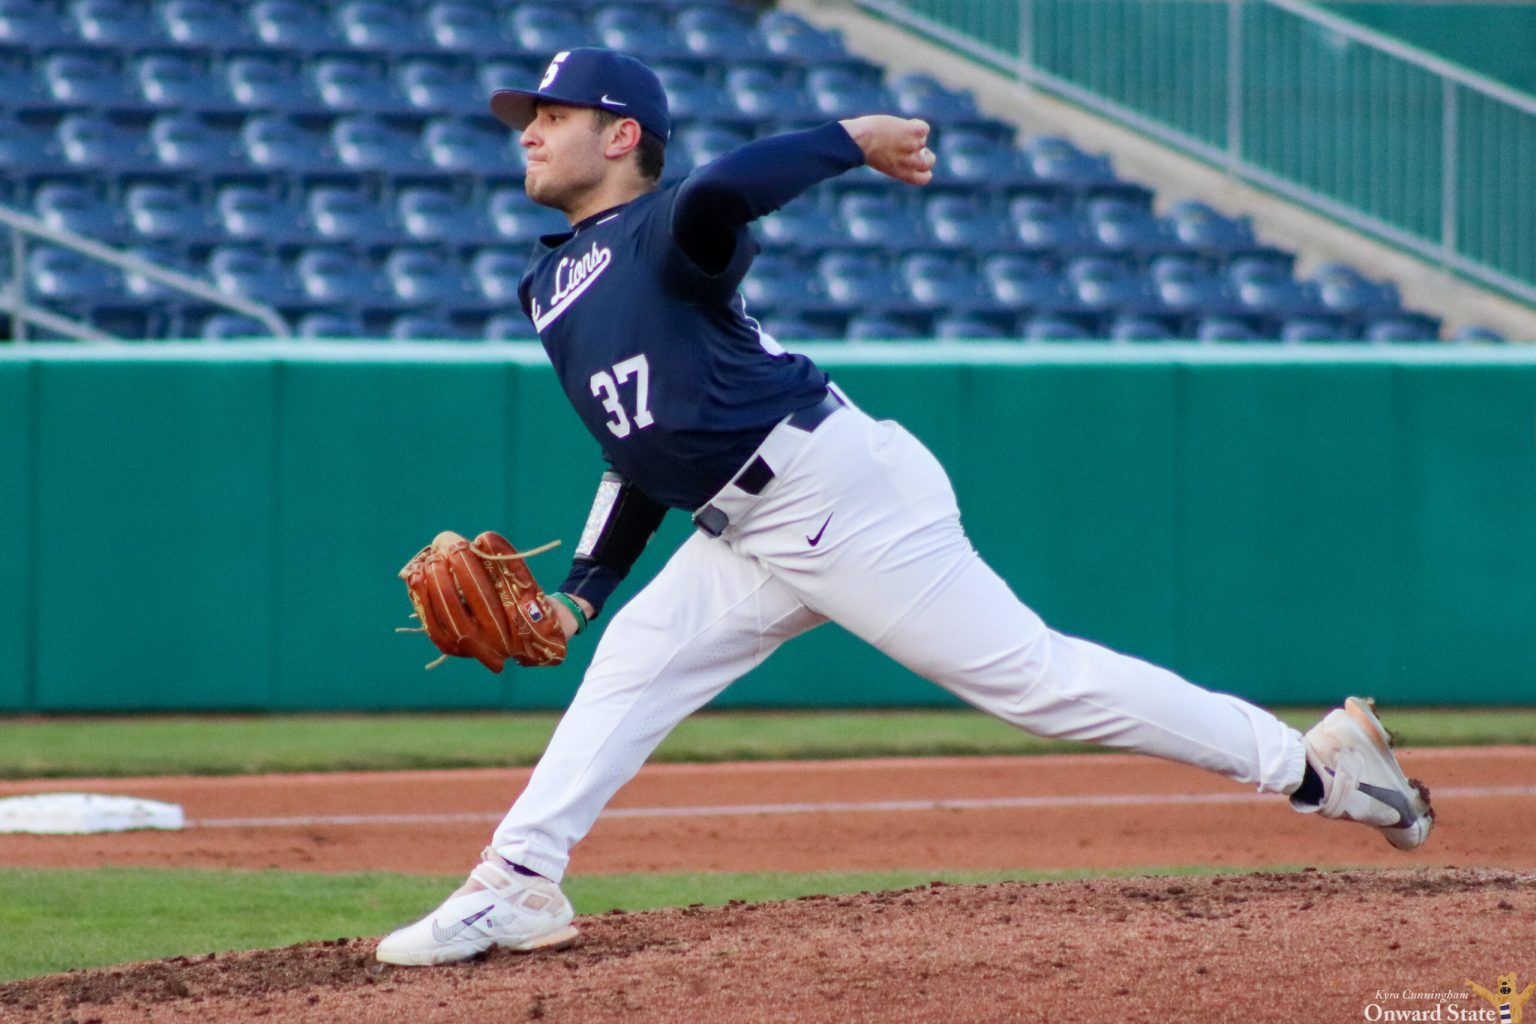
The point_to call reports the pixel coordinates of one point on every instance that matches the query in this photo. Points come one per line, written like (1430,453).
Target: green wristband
(576,612)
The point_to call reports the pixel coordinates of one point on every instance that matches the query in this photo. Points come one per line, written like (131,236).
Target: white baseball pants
(894,567)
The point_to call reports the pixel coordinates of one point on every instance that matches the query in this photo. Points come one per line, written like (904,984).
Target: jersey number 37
(605,386)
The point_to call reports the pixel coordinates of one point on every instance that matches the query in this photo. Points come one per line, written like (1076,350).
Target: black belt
(758,474)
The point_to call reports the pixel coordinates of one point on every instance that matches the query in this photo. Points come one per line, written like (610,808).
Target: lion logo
(1510,1006)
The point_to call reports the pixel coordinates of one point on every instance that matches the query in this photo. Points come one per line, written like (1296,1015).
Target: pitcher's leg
(703,622)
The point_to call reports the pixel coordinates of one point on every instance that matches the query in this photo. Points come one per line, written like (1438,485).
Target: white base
(76,813)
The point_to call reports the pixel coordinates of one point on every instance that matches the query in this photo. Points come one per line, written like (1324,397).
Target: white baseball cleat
(1352,752)
(514,911)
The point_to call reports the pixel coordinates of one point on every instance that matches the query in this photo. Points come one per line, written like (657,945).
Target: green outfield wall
(197,527)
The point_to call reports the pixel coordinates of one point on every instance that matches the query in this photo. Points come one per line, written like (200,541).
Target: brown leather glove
(480,601)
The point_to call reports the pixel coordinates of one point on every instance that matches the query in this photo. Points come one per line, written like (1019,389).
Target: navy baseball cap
(591,77)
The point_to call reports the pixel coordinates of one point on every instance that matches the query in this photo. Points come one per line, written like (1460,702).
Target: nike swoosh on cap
(613,103)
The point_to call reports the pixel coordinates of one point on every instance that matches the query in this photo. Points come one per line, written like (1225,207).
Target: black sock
(525,871)
(1311,789)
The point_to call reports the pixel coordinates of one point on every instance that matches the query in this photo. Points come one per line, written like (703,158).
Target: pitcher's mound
(1276,948)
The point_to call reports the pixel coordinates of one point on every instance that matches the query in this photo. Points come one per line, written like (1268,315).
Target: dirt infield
(1308,947)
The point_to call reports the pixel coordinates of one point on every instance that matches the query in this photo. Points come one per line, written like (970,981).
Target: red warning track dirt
(1310,947)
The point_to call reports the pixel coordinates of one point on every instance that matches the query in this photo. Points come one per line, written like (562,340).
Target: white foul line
(847,807)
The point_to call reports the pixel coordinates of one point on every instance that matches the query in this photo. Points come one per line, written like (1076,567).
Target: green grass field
(139,914)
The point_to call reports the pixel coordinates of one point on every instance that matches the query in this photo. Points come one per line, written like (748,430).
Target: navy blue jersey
(657,354)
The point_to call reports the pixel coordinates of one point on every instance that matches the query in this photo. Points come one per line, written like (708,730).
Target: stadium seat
(1403,327)
(180,80)
(1314,329)
(338,278)
(790,329)
(467,28)
(778,284)
(1226,328)
(205,24)
(169,213)
(1043,227)
(1476,333)
(721,33)
(350,215)
(519,220)
(18,82)
(283,145)
(27,148)
(293,25)
(971,327)
(1054,328)
(493,75)
(34,26)
(943,281)
(885,327)
(330,325)
(542,30)
(762,93)
(1024,282)
(638,30)
(963,222)
(250,273)
(1201,228)
(1185,285)
(80,208)
(839,92)
(369,145)
(354,85)
(801,227)
(469,147)
(692,98)
(437,216)
(1127,226)
(185,143)
(233,327)
(1052,158)
(441,85)
(702,143)
(425,327)
(85,79)
(167,255)
(92,143)
(791,37)
(979,159)
(115,24)
(497,273)
(1139,328)
(857,281)
(509,327)
(66,276)
(255,214)
(373,25)
(920,95)
(1103,284)
(267,84)
(1346,291)
(1265,287)
(424,277)
(882,219)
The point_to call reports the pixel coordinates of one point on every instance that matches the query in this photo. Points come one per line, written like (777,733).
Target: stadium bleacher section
(337,161)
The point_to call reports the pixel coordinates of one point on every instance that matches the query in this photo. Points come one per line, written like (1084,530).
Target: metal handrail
(13,298)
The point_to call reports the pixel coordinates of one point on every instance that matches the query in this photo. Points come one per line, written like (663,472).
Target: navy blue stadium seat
(349,214)
(206,24)
(509,327)
(168,212)
(115,23)
(881,326)
(702,143)
(639,30)
(841,92)
(1199,227)
(779,284)
(1344,290)
(180,79)
(519,220)
(33,25)
(354,84)
(66,276)
(1024,282)
(251,273)
(793,38)
(497,273)
(1315,328)
(330,324)
(1053,158)
(801,227)
(424,277)
(91,142)
(1267,288)
(438,216)
(963,222)
(471,147)
(186,143)
(920,95)
(971,327)
(977,158)
(265,83)
(1476,333)
(441,85)
(293,25)
(1137,327)
(1227,328)
(791,328)
(80,208)
(339,279)
(381,27)
(467,28)
(691,98)
(84,79)
(370,145)
(426,327)
(283,145)
(1186,285)
(1402,327)
(1104,284)
(764,93)
(232,327)
(1043,227)
(493,75)
(168,255)
(260,216)
(1049,327)
(1127,226)
(721,33)
(543,30)
(937,280)
(882,219)
(857,281)
(28,148)
(18,82)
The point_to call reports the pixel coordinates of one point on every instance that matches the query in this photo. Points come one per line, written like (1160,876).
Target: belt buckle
(711,520)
